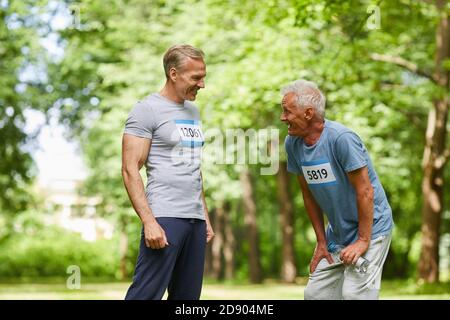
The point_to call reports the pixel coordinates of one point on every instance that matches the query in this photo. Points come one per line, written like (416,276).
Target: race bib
(190,132)
(318,173)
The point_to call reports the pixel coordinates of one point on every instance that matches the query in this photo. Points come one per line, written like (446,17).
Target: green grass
(391,289)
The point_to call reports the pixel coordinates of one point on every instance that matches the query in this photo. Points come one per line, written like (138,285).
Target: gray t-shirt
(174,185)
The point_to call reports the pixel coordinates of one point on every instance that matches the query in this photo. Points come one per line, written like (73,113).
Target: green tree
(22,82)
(252,49)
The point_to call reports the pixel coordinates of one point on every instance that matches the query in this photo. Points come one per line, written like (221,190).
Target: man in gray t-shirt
(174,186)
(163,131)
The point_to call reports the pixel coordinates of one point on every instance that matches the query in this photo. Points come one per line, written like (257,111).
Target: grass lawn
(211,291)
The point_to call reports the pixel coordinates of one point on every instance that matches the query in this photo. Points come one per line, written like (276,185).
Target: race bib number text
(318,172)
(190,132)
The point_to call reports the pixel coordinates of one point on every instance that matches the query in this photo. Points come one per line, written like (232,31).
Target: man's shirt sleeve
(140,121)
(351,152)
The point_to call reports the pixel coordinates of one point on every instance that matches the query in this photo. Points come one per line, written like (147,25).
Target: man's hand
(209,231)
(320,252)
(350,254)
(155,237)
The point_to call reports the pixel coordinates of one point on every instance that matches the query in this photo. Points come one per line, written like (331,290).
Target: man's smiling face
(190,79)
(293,115)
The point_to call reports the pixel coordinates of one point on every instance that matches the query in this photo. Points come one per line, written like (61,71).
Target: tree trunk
(229,244)
(434,158)
(288,266)
(251,226)
(217,244)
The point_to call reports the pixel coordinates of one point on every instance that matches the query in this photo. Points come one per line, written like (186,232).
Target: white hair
(308,94)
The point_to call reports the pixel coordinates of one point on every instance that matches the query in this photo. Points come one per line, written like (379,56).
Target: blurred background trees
(383,66)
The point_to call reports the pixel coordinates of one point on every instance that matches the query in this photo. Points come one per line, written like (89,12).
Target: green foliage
(19,52)
(251,51)
(49,252)
(113,58)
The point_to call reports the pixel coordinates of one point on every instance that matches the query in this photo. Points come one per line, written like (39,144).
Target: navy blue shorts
(177,267)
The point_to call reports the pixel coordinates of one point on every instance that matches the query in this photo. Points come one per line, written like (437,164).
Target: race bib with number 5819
(318,173)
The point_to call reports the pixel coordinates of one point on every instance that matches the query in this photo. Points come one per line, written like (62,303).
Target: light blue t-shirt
(324,166)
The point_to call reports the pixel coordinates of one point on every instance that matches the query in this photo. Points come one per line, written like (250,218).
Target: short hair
(308,94)
(176,55)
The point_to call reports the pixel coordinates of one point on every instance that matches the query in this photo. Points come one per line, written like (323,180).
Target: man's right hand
(320,252)
(155,237)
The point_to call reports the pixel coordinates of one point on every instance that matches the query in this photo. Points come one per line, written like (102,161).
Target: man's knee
(314,291)
(310,292)
(349,294)
(352,293)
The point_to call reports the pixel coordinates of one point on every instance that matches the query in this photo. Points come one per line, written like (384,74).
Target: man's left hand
(350,254)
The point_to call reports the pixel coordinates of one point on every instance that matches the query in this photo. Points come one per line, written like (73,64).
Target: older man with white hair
(337,179)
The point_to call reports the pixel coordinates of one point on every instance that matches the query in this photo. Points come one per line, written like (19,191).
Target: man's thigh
(154,266)
(366,286)
(325,283)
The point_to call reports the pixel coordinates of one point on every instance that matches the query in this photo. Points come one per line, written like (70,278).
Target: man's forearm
(364,199)
(205,208)
(135,189)
(316,217)
(313,210)
(365,215)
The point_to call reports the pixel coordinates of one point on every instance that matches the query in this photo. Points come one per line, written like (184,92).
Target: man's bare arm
(316,216)
(364,197)
(135,151)
(314,212)
(209,229)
